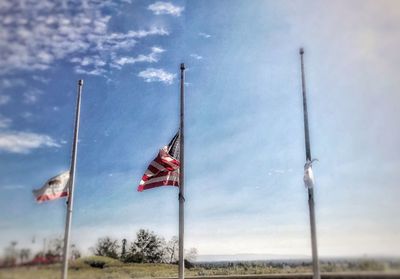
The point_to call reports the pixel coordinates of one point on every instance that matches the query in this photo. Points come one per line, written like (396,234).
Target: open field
(106,268)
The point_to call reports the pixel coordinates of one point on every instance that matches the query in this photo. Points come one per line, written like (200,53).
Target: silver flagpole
(316,274)
(70,200)
(182,178)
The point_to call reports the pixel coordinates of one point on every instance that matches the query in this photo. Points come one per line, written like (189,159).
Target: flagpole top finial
(301,51)
(182,66)
(80,82)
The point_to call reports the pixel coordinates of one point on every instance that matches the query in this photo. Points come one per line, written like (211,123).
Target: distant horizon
(274,257)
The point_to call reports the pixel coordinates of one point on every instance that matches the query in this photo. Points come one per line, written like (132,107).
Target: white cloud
(31,96)
(196,56)
(157,75)
(204,35)
(152,57)
(36,34)
(94,60)
(41,79)
(165,8)
(6,83)
(95,65)
(5,122)
(4,99)
(24,142)
(93,72)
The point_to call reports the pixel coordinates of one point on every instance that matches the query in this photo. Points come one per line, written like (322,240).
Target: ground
(106,268)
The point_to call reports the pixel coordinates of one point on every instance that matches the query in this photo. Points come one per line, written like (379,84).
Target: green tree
(191,255)
(10,254)
(147,248)
(106,247)
(75,253)
(55,248)
(24,254)
(171,250)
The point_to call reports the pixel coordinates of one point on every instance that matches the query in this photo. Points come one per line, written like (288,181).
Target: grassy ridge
(90,268)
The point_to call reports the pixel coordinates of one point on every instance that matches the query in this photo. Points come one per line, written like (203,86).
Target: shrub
(96,262)
(106,247)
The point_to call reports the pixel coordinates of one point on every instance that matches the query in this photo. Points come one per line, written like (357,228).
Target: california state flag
(54,188)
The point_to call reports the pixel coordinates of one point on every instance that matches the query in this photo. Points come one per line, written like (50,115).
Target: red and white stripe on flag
(162,171)
(54,188)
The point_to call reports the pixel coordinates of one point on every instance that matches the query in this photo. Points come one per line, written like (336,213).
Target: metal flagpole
(182,178)
(70,199)
(316,274)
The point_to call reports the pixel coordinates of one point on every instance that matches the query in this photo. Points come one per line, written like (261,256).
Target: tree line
(13,255)
(147,247)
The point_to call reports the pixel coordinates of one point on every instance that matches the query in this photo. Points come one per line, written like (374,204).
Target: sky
(244,127)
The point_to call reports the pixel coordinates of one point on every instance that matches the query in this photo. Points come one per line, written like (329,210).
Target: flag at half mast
(164,169)
(54,188)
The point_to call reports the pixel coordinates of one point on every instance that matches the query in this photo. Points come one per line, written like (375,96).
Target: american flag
(164,169)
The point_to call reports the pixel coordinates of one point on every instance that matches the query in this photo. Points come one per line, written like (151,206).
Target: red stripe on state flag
(43,198)
(54,188)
